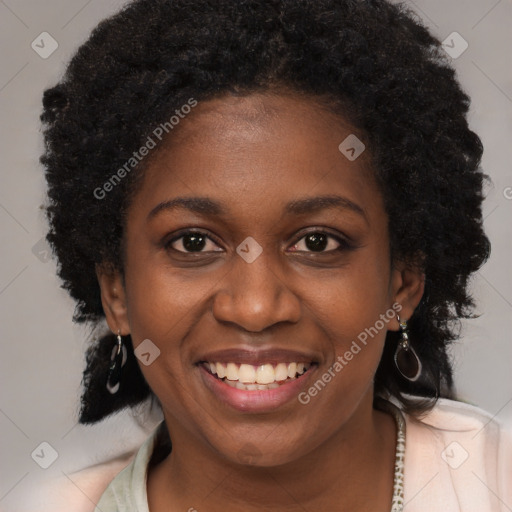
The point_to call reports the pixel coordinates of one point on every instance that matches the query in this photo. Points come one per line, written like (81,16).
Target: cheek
(167,306)
(352,298)
(354,308)
(163,308)
(356,324)
(161,301)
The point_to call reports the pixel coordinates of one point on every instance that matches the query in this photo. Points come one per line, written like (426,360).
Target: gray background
(42,350)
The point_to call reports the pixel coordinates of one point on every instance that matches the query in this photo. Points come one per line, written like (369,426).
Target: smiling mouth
(249,377)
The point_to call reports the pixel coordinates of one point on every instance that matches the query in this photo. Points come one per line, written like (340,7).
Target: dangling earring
(117,361)
(406,360)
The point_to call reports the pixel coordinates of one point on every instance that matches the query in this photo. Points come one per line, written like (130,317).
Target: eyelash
(343,243)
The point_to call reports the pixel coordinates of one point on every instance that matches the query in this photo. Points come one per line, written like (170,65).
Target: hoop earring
(117,361)
(406,360)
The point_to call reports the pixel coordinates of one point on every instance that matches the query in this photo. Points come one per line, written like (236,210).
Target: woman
(276,206)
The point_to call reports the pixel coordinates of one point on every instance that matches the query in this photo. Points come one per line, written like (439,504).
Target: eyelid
(325,231)
(183,232)
(342,240)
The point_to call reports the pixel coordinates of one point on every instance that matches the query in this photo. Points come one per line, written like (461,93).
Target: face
(259,278)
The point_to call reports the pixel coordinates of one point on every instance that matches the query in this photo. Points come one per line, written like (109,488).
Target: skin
(254,154)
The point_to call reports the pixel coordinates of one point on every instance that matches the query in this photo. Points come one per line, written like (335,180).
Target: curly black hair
(371,61)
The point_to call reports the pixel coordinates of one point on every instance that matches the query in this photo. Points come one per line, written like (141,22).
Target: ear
(407,287)
(113,299)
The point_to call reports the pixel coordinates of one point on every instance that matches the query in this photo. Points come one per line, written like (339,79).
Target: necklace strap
(397,503)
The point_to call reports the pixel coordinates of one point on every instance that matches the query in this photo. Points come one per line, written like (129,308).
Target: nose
(255,298)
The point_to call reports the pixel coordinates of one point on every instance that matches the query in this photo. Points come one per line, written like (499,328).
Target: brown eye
(191,241)
(319,242)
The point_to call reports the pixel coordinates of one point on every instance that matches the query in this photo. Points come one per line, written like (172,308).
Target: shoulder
(474,429)
(458,415)
(460,458)
(83,488)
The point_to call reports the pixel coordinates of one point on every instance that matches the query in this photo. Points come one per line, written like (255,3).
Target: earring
(117,361)
(406,360)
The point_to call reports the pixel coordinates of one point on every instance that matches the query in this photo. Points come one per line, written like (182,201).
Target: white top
(457,459)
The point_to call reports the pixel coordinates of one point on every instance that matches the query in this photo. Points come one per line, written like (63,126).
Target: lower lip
(258,400)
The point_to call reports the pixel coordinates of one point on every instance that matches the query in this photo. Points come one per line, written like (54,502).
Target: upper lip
(258,357)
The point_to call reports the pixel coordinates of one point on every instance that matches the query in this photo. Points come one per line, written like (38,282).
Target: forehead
(257,118)
(245,149)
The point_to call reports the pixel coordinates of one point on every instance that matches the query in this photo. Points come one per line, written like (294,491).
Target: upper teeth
(263,374)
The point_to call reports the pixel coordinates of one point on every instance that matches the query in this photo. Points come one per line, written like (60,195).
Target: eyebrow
(208,206)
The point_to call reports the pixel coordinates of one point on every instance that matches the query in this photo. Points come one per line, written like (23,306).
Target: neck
(352,470)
